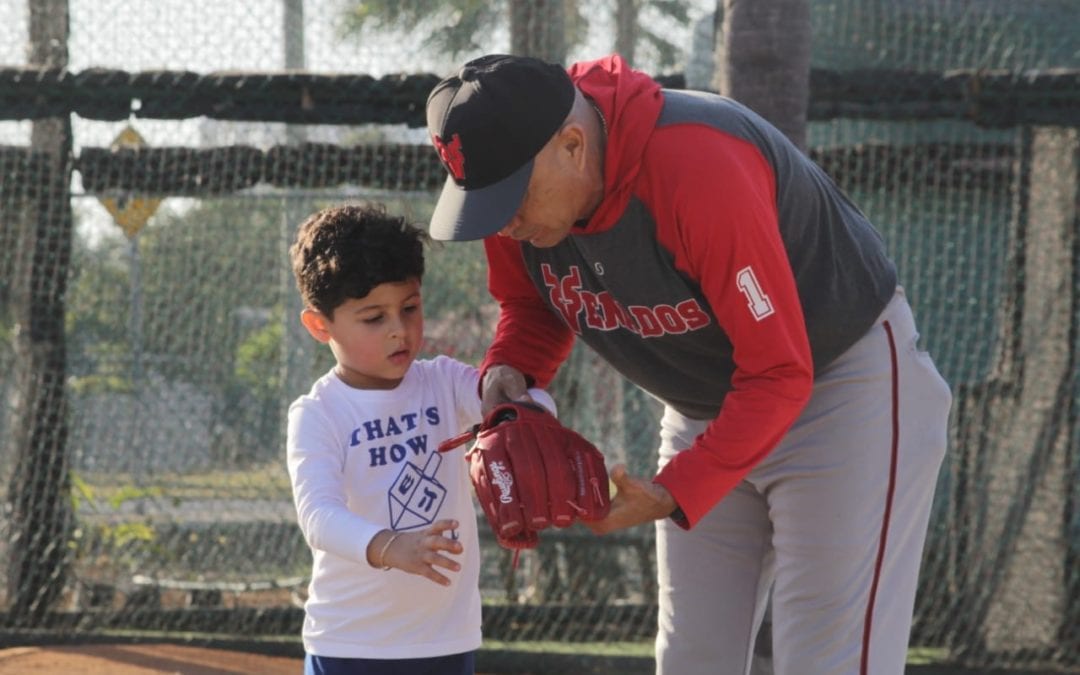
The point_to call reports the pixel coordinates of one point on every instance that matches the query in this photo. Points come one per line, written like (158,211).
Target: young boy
(390,521)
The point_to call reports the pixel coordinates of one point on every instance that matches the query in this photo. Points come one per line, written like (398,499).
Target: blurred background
(156,158)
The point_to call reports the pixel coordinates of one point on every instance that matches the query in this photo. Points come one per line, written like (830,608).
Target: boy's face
(375,338)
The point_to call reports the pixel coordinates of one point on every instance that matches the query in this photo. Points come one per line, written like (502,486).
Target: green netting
(146,373)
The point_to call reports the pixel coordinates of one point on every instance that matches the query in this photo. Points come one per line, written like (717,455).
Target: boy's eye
(372,319)
(412,308)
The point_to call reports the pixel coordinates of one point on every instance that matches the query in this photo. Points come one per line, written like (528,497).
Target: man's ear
(315,323)
(572,144)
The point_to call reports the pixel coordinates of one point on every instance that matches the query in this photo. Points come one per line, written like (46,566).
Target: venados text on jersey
(601,311)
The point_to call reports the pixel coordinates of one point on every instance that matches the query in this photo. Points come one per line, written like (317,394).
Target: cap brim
(464,215)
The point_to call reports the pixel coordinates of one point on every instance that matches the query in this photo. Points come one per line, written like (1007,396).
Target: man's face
(558,196)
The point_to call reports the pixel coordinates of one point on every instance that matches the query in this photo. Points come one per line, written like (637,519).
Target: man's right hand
(502,384)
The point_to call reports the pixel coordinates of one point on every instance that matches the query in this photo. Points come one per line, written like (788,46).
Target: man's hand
(502,384)
(637,501)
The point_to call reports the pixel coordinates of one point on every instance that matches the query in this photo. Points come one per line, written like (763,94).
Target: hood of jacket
(630,102)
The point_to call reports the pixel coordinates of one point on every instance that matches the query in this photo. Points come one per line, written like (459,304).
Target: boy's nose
(397,328)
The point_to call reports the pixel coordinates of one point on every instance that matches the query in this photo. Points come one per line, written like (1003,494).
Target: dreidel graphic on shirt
(416,495)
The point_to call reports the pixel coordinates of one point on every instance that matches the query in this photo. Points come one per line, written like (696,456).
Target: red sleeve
(529,336)
(714,198)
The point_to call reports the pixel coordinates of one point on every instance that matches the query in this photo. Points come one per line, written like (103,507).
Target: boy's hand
(420,552)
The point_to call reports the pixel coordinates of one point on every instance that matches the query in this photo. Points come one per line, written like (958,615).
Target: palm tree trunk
(626,21)
(763,60)
(538,28)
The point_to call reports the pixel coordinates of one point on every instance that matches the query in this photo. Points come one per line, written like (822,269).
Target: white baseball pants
(835,517)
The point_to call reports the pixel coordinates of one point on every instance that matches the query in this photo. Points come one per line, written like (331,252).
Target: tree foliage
(459,27)
(453,27)
(176,297)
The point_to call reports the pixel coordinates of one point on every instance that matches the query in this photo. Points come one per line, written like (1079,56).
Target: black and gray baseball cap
(488,121)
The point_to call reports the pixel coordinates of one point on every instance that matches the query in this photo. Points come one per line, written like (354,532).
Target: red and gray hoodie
(721,269)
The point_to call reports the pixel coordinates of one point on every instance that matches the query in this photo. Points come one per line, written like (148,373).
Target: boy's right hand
(420,552)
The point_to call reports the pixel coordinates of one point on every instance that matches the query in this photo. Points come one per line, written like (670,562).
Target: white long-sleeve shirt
(361,461)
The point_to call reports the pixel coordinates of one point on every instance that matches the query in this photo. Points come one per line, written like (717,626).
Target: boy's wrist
(386,547)
(378,547)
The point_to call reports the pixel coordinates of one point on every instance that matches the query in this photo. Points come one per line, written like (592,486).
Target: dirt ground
(142,659)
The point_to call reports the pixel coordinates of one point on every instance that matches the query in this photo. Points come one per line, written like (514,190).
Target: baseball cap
(487,122)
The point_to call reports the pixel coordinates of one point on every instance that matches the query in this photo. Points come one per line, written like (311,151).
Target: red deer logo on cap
(451,156)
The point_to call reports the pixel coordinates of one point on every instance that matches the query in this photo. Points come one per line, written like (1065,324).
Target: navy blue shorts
(455,664)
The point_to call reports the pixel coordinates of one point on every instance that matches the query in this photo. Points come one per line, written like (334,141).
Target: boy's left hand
(423,552)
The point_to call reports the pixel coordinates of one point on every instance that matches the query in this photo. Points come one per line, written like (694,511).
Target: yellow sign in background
(130,213)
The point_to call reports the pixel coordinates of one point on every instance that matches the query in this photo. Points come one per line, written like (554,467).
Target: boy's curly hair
(343,252)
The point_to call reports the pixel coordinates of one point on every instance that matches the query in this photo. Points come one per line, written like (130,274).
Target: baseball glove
(530,472)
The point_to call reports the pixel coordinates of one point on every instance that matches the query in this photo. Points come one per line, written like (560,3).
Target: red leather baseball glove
(530,472)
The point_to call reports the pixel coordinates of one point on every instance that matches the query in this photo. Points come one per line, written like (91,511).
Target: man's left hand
(637,501)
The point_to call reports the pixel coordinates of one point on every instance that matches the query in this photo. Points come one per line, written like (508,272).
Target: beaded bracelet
(385,548)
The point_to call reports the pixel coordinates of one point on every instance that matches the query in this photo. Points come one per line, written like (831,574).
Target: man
(693,247)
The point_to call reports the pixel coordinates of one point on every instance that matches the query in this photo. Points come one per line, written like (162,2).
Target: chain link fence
(155,159)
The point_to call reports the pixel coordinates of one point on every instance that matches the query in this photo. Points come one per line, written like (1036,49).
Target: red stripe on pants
(865,664)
